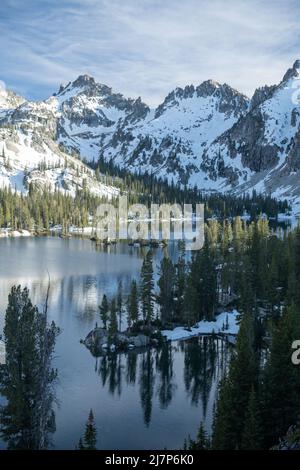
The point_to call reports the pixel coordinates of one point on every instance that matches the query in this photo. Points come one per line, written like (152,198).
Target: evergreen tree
(202,442)
(147,288)
(120,304)
(89,441)
(26,380)
(113,322)
(180,283)
(132,305)
(104,310)
(166,284)
(80,445)
(281,381)
(201,287)
(252,433)
(235,390)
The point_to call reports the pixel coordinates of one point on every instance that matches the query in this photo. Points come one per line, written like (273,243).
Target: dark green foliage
(252,433)
(26,381)
(201,442)
(120,304)
(132,305)
(103,311)
(166,284)
(281,380)
(201,287)
(147,288)
(113,321)
(235,390)
(180,282)
(40,209)
(89,441)
(147,187)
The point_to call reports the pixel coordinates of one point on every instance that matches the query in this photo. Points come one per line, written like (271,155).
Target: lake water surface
(152,400)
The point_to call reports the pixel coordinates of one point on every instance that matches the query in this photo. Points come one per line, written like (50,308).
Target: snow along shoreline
(5,233)
(225,323)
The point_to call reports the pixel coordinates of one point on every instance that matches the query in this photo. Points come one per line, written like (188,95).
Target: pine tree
(201,287)
(113,321)
(202,442)
(227,237)
(235,390)
(252,433)
(180,283)
(132,305)
(147,288)
(166,284)
(120,303)
(103,310)
(27,379)
(90,434)
(80,445)
(281,381)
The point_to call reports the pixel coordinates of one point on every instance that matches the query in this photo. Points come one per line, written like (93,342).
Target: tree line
(259,396)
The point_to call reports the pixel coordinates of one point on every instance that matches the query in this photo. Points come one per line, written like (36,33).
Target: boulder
(140,341)
(97,341)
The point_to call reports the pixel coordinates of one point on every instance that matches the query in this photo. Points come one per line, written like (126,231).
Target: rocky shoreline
(99,342)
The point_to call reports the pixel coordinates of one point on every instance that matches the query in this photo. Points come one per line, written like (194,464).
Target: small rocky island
(99,342)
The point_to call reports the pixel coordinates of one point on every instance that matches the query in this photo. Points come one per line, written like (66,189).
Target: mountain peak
(85,84)
(207,88)
(293,72)
(9,99)
(84,80)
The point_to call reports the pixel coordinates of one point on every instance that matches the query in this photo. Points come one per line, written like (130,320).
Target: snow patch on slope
(203,327)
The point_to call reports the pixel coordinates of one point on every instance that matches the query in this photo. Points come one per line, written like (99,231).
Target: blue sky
(146,47)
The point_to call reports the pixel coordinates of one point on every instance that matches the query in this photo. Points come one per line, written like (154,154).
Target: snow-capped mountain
(30,151)
(8,101)
(168,141)
(262,149)
(210,135)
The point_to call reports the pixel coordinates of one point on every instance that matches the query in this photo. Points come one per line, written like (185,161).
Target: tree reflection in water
(205,359)
(147,384)
(164,368)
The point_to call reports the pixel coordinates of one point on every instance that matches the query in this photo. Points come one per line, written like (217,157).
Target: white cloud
(148,47)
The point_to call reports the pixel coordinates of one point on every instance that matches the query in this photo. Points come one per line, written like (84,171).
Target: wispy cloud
(146,47)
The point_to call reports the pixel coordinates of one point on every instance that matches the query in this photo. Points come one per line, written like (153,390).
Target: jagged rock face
(8,101)
(171,140)
(30,153)
(90,113)
(85,102)
(247,140)
(210,135)
(265,140)
(229,100)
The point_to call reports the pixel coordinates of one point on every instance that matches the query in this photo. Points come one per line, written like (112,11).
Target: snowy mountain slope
(8,101)
(88,112)
(170,141)
(211,136)
(30,154)
(262,150)
(88,119)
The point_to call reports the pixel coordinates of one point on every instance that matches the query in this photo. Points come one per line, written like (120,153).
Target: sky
(146,47)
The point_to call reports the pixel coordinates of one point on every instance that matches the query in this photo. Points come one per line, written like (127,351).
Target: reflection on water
(204,358)
(149,400)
